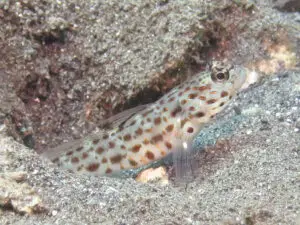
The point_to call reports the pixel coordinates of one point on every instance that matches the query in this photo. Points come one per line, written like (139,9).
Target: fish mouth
(240,75)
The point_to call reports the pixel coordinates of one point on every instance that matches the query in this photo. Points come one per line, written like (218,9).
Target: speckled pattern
(168,125)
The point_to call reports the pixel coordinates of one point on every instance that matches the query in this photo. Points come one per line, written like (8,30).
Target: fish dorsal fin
(120,118)
(72,145)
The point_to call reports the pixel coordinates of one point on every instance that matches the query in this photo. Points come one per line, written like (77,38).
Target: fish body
(167,125)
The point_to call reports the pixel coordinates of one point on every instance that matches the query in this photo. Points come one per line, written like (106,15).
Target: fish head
(222,82)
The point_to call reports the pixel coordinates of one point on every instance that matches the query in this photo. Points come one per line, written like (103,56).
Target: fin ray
(122,117)
(71,145)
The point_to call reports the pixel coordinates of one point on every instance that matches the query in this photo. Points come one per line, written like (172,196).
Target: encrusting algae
(153,131)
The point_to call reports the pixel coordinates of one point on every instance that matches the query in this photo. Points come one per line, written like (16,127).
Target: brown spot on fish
(84,155)
(108,170)
(203,98)
(149,130)
(116,159)
(127,137)
(195,88)
(111,144)
(75,160)
(156,138)
(95,141)
(148,119)
(104,160)
(192,108)
(100,150)
(139,131)
(183,122)
(211,101)
(200,114)
(149,155)
(202,88)
(157,120)
(132,123)
(171,99)
(192,96)
(187,89)
(165,119)
(180,93)
(224,94)
(105,136)
(136,148)
(146,141)
(79,149)
(93,167)
(190,130)
(79,168)
(132,162)
(123,147)
(177,110)
(162,102)
(213,92)
(168,145)
(69,153)
(183,101)
(221,104)
(170,128)
(165,109)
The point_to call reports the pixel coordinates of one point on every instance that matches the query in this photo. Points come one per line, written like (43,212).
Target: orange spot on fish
(111,144)
(149,155)
(192,96)
(100,150)
(84,155)
(136,148)
(146,141)
(211,101)
(104,160)
(224,94)
(93,167)
(75,160)
(116,158)
(127,137)
(108,170)
(157,120)
(170,127)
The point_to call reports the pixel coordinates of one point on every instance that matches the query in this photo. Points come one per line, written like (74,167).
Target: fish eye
(220,76)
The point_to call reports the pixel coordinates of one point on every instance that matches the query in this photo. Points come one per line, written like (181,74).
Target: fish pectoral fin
(182,162)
